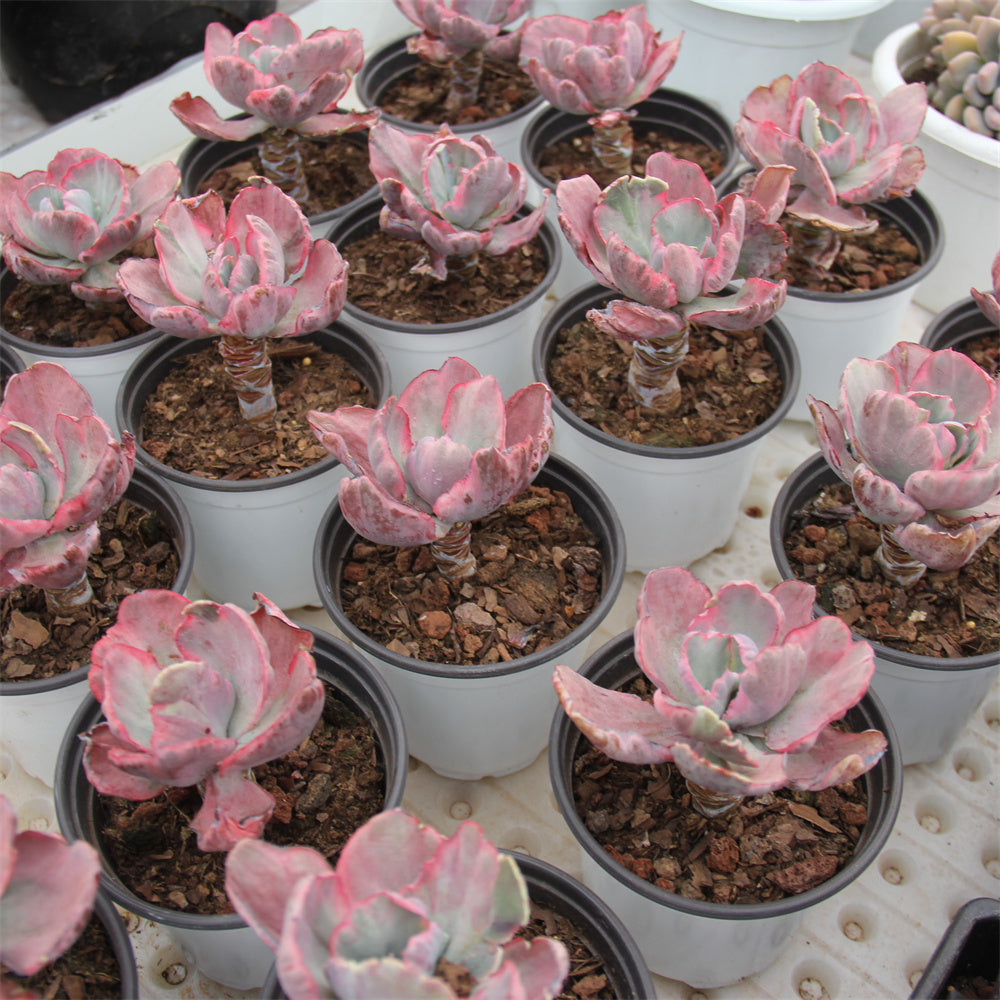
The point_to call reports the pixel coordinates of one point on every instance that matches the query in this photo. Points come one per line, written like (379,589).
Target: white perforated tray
(872,940)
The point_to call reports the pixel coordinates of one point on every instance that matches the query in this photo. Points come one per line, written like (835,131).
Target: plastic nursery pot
(251,535)
(221,946)
(552,888)
(497,344)
(732,46)
(390,64)
(98,369)
(11,363)
(33,713)
(470,721)
(958,324)
(968,950)
(928,698)
(680,115)
(701,943)
(121,944)
(961,179)
(677,504)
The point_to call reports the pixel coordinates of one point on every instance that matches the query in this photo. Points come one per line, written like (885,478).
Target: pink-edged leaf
(376,516)
(200,118)
(344,433)
(944,549)
(542,965)
(881,499)
(105,774)
(232,809)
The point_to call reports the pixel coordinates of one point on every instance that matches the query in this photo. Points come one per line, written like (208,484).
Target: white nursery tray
(872,940)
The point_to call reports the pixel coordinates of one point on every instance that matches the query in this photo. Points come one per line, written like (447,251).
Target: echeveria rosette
(457,196)
(448,451)
(286,84)
(198,693)
(403,901)
(244,277)
(917,436)
(47,892)
(600,68)
(65,224)
(670,247)
(848,150)
(989,302)
(60,470)
(747,684)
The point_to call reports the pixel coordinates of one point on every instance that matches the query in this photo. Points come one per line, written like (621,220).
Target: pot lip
(580,299)
(89,714)
(333,522)
(815,468)
(939,333)
(547,234)
(164,495)
(886,74)
(797,10)
(172,347)
(565,736)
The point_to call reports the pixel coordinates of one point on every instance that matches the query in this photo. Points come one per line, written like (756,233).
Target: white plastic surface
(869,943)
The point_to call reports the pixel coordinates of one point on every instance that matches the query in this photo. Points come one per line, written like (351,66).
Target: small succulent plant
(989,302)
(747,684)
(963,42)
(47,893)
(406,913)
(665,243)
(460,34)
(288,86)
(847,150)
(917,436)
(198,693)
(65,225)
(449,450)
(600,68)
(254,274)
(60,470)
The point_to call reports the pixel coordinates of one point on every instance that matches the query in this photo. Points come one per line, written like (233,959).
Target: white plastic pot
(251,535)
(962,181)
(677,504)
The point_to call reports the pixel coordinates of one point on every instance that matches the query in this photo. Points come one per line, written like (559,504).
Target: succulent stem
(249,369)
(453,553)
(711,804)
(613,144)
(897,564)
(68,600)
(466,74)
(652,374)
(281,158)
(812,242)
(463,268)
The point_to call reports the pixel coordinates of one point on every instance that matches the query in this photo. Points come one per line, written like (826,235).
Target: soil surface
(192,420)
(831,545)
(135,552)
(770,847)
(539,575)
(730,383)
(88,970)
(325,789)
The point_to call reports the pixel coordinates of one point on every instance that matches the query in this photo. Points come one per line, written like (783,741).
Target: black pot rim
(147,490)
(573,307)
(121,943)
(804,480)
(885,790)
(961,321)
(335,535)
(359,681)
(139,383)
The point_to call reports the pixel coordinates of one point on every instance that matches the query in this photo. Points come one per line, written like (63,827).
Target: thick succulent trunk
(463,269)
(281,158)
(897,564)
(652,374)
(613,146)
(453,553)
(66,601)
(466,74)
(711,804)
(249,369)
(816,244)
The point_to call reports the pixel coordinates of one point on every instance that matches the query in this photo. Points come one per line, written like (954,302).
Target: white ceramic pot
(252,535)
(498,344)
(962,181)
(705,944)
(929,699)
(732,46)
(493,719)
(677,504)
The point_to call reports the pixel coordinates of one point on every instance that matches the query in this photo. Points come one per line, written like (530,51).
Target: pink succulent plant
(198,693)
(600,68)
(287,85)
(47,893)
(917,436)
(747,685)
(848,150)
(65,225)
(60,470)
(457,196)
(254,274)
(402,903)
(667,245)
(989,302)
(449,450)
